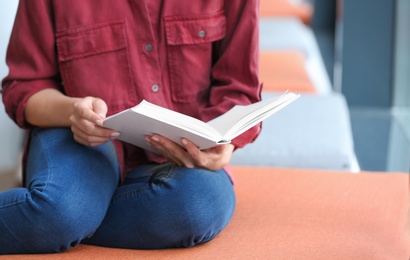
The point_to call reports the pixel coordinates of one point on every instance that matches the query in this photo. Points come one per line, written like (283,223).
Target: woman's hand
(51,108)
(87,120)
(189,155)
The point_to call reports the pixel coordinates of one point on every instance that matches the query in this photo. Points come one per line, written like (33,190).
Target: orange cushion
(292,214)
(284,70)
(281,8)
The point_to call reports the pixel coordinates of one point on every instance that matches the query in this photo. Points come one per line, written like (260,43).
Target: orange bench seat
(296,214)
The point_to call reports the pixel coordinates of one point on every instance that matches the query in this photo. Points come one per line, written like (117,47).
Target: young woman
(74,62)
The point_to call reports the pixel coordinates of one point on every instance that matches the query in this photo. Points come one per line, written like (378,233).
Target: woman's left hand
(188,155)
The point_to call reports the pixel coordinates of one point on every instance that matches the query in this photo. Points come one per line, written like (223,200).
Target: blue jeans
(72,196)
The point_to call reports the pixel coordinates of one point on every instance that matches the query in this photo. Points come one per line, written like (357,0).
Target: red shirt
(196,57)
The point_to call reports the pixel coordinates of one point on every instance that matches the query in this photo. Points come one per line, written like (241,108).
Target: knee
(200,224)
(58,226)
(204,207)
(72,221)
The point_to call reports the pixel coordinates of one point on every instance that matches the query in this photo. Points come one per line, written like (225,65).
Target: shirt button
(155,88)
(202,34)
(148,47)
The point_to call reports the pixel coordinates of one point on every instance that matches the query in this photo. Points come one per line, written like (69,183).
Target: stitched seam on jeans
(14,203)
(128,194)
(48,168)
(149,186)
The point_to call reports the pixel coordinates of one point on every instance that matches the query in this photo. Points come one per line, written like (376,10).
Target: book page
(177,119)
(241,118)
(245,124)
(147,119)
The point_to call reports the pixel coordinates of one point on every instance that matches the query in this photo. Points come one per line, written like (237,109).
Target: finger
(194,152)
(212,159)
(164,153)
(98,132)
(172,151)
(89,140)
(91,129)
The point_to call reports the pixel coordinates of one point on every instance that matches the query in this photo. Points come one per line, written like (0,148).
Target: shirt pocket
(94,61)
(189,53)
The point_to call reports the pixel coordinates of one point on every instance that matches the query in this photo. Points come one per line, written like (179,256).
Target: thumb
(100,108)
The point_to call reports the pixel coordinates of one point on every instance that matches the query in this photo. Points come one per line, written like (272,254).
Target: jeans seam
(167,175)
(149,186)
(47,157)
(14,203)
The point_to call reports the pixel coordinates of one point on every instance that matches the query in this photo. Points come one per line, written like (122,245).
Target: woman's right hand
(87,120)
(51,108)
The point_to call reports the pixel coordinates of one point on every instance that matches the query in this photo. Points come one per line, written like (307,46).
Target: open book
(147,119)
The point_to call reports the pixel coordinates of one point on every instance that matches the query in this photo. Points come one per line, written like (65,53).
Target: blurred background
(366,49)
(349,60)
(11,137)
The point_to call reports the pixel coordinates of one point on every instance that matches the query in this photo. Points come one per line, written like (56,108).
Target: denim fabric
(72,196)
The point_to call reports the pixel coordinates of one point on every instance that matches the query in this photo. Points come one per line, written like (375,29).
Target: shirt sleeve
(236,60)
(30,57)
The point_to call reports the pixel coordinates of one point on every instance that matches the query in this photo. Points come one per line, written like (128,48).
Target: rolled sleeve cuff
(16,95)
